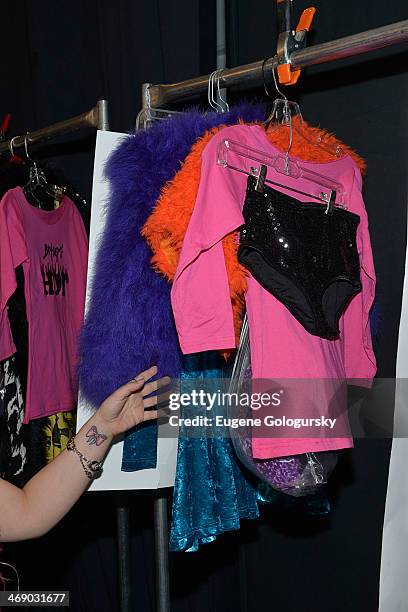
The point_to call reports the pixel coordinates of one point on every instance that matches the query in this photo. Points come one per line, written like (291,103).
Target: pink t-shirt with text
(52,248)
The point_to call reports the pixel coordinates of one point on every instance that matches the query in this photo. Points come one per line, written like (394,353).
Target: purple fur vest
(130,325)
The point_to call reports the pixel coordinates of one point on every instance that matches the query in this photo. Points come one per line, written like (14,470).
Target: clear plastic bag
(296,475)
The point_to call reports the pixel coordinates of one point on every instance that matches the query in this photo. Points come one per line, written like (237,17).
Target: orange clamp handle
(306,19)
(286,75)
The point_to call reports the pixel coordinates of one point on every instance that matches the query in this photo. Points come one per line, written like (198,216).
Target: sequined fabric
(306,257)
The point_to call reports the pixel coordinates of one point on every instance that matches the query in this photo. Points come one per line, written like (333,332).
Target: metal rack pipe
(96,117)
(251,74)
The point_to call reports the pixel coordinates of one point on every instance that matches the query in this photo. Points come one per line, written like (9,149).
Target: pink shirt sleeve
(13,252)
(200,293)
(358,354)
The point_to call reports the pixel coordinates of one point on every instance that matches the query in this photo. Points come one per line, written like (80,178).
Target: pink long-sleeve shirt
(280,346)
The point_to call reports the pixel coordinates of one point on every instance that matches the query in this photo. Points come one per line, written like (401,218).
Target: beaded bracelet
(93,469)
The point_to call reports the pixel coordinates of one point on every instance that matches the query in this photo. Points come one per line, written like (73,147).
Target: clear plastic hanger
(284,112)
(230,153)
(149,115)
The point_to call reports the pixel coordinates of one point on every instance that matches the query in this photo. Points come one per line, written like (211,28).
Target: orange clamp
(286,75)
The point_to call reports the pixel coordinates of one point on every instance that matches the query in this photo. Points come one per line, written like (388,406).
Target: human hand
(126,407)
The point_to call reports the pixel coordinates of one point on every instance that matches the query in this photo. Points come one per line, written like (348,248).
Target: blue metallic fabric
(213,491)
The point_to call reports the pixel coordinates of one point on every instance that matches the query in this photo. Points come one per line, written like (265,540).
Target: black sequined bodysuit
(304,257)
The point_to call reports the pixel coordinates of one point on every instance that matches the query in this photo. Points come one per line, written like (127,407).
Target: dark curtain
(58,59)
(317,566)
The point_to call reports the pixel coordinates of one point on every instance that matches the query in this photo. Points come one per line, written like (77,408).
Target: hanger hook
(287,115)
(148,97)
(26,139)
(286,104)
(11,145)
(215,104)
(264,78)
(275,82)
(210,102)
(211,98)
(226,107)
(148,103)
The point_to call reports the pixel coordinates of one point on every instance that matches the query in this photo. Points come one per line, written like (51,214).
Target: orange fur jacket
(166,227)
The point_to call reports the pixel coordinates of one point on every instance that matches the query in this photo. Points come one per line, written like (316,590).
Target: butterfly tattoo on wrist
(94,437)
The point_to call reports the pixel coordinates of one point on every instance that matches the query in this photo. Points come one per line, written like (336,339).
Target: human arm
(50,494)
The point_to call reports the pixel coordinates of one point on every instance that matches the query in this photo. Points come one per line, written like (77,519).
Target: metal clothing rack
(250,75)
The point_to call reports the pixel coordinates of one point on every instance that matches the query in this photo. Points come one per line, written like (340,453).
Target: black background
(58,58)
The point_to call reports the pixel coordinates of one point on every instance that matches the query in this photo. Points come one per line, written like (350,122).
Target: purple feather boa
(130,325)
